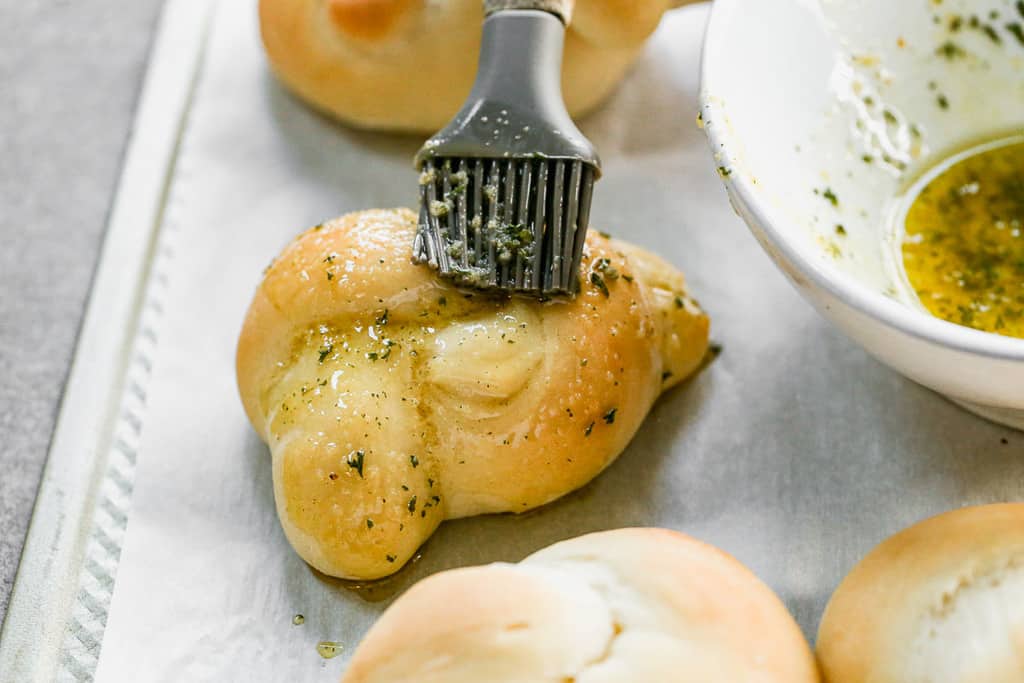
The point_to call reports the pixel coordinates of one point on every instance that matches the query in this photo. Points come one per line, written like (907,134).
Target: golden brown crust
(628,605)
(391,400)
(939,602)
(409,64)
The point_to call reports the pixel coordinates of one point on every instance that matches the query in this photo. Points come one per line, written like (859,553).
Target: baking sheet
(793,450)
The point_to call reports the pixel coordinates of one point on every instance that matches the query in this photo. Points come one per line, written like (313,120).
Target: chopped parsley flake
(950,50)
(325,351)
(609,417)
(1016,29)
(605,266)
(355,461)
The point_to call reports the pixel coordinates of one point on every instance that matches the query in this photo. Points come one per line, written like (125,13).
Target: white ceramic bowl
(808,100)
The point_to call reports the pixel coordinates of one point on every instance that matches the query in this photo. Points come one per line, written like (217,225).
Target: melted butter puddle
(328,649)
(378,590)
(962,247)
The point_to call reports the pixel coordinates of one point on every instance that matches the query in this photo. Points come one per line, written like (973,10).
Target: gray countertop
(70,74)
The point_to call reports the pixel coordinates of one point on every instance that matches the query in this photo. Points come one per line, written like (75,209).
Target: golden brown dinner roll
(624,606)
(392,401)
(940,602)
(409,64)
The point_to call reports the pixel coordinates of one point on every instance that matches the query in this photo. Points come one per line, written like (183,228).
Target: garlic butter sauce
(963,240)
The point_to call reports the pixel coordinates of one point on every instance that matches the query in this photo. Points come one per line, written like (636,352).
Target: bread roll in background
(392,400)
(940,602)
(624,606)
(408,65)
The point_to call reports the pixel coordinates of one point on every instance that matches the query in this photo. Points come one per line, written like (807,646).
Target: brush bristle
(508,224)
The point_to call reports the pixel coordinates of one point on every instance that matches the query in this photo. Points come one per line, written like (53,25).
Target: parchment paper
(793,450)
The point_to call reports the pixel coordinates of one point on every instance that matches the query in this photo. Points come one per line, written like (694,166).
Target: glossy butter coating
(392,401)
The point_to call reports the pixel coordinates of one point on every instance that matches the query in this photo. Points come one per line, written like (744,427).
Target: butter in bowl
(877,154)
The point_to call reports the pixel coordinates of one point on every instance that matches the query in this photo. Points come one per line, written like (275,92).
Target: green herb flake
(679,302)
(942,102)
(389,558)
(590,428)
(609,417)
(382,319)
(414,461)
(1017,31)
(840,230)
(369,523)
(355,461)
(829,195)
(604,265)
(330,275)
(950,50)
(412,504)
(598,281)
(325,351)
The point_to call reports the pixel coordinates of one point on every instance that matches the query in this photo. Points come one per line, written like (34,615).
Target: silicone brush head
(506,187)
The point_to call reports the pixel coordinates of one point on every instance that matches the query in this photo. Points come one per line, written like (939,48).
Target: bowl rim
(839,284)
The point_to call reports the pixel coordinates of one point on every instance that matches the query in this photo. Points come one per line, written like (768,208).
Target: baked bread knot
(644,605)
(409,64)
(940,602)
(392,400)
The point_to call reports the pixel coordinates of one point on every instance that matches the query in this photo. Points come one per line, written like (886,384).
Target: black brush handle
(560,8)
